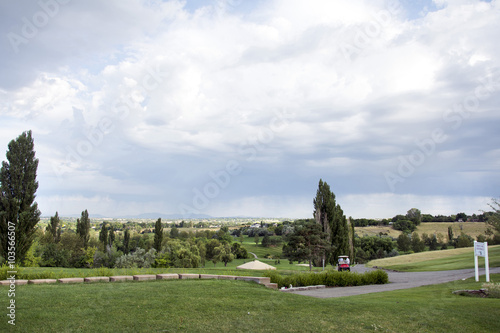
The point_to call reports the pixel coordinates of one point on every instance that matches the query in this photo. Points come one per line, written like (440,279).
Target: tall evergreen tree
(83,228)
(330,216)
(54,228)
(111,235)
(126,241)
(158,235)
(18,185)
(103,235)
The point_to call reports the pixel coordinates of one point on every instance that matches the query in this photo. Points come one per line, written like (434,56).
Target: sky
(240,107)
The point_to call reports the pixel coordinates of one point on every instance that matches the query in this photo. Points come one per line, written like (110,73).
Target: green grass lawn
(238,306)
(438,260)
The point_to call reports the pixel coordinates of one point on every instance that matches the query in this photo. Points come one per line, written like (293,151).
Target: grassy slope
(438,260)
(235,306)
(470,228)
(259,250)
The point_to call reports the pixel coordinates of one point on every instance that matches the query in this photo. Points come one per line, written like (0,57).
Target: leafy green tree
(329,215)
(405,225)
(256,239)
(54,228)
(464,241)
(373,247)
(307,242)
(239,251)
(174,232)
(18,209)
(224,254)
(414,215)
(266,241)
(223,235)
(210,248)
(404,242)
(433,243)
(158,235)
(83,228)
(417,245)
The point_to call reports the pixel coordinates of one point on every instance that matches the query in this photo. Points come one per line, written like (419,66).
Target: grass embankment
(238,306)
(462,258)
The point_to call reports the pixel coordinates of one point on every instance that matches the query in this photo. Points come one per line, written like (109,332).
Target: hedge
(330,278)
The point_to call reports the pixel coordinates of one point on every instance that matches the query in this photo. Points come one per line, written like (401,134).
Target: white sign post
(481,250)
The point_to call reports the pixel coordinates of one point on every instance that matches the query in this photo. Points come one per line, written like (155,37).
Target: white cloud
(113,89)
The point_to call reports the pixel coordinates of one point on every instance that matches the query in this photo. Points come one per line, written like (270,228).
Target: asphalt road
(397,280)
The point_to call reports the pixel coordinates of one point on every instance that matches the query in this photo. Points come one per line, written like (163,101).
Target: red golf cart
(344,264)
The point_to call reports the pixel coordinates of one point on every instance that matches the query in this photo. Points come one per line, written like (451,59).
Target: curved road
(397,280)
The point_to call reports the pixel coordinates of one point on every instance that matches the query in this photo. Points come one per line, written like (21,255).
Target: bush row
(329,278)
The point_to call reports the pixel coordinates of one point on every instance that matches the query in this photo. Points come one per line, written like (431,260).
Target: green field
(438,260)
(238,306)
(259,250)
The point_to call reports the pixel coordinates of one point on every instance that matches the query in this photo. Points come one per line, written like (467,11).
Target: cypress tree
(158,235)
(126,241)
(103,235)
(19,212)
(111,235)
(330,216)
(54,228)
(83,228)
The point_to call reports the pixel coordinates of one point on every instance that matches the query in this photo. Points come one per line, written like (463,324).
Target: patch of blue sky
(239,6)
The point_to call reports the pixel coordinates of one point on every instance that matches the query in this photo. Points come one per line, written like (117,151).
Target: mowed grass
(238,306)
(462,258)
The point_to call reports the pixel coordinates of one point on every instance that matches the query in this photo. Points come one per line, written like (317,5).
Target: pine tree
(158,235)
(83,228)
(19,212)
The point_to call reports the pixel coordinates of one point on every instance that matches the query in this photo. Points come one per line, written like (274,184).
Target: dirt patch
(472,293)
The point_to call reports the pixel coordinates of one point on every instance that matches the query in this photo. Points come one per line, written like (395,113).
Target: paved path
(398,280)
(255,256)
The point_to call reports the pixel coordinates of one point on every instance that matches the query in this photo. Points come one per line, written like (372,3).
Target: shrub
(140,258)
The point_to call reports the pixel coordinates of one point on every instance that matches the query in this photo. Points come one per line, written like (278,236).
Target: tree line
(320,240)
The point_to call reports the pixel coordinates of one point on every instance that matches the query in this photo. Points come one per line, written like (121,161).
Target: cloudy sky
(239,107)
